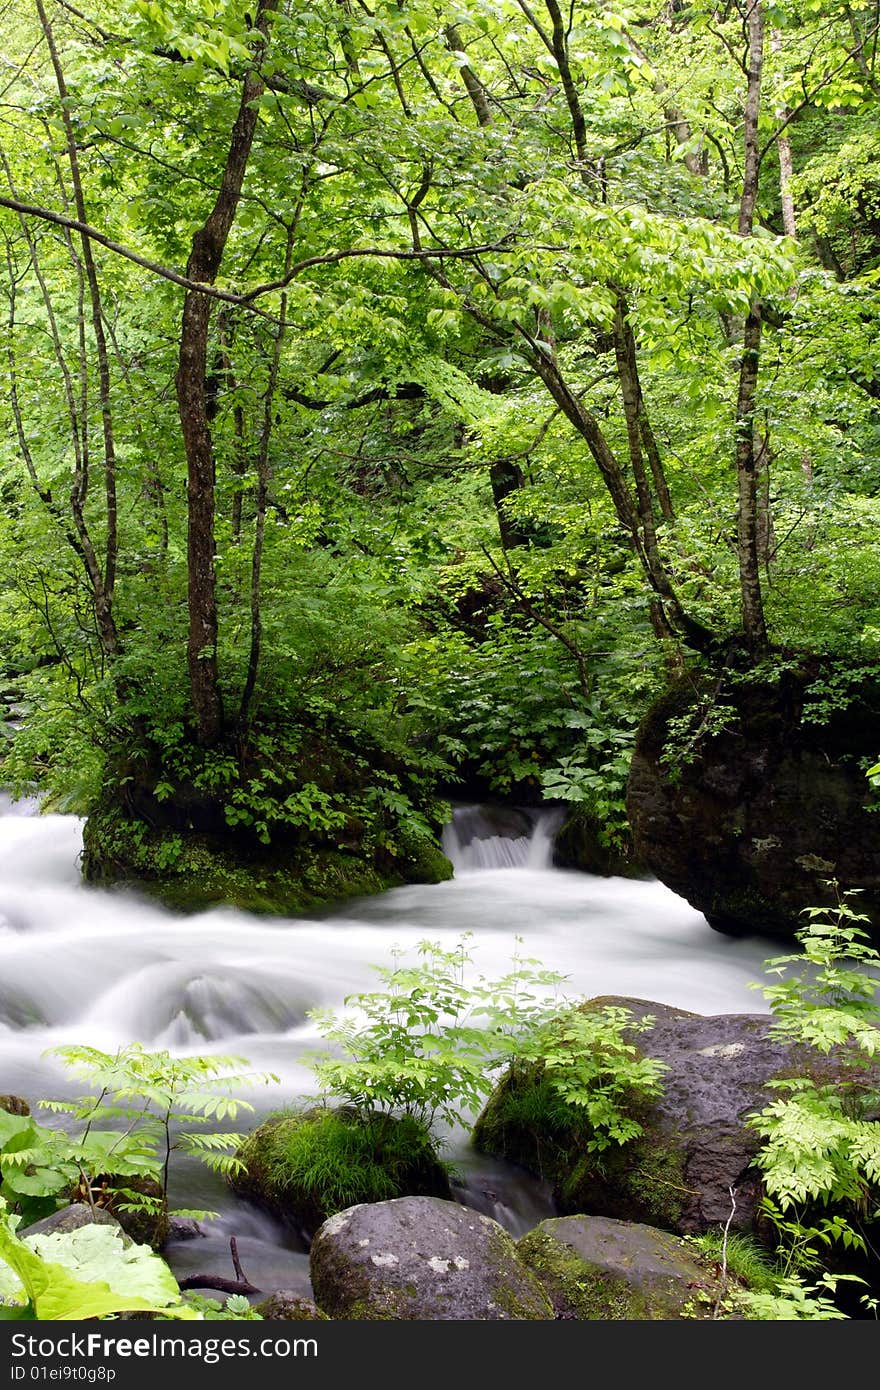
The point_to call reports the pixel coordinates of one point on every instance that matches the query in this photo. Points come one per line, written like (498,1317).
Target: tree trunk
(786,167)
(474,87)
(753,621)
(203,265)
(263,473)
(506,478)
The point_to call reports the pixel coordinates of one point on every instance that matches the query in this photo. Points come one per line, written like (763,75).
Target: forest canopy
(398,392)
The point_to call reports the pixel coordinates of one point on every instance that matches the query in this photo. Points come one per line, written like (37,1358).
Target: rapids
(87,965)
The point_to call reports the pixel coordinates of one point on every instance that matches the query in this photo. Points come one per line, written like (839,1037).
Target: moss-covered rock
(286,1306)
(73,1218)
(599,1270)
(304,1166)
(695,1143)
(525,1123)
(580,844)
(189,872)
(747,796)
(290,819)
(421,859)
(418,1259)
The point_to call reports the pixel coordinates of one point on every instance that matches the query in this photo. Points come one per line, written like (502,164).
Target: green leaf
(87,1273)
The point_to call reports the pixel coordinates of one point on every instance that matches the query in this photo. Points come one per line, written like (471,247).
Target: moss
(304,1166)
(386,1309)
(293,815)
(422,861)
(529,1303)
(582,845)
(575,1289)
(191,872)
(639,1181)
(525,1122)
(285,1306)
(618,1271)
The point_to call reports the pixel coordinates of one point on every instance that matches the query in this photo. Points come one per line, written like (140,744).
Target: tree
(391,261)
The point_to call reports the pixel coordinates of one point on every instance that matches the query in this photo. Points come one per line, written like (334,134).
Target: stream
(105,968)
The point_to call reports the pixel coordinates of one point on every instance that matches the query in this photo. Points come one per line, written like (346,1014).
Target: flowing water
(84,965)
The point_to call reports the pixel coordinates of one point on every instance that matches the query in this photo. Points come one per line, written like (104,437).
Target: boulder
(598,1270)
(147,1224)
(580,844)
(168,833)
(184,1228)
(488,821)
(745,798)
(695,1144)
(419,1258)
(285,1305)
(72,1218)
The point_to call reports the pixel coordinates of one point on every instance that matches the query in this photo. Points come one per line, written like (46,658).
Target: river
(104,968)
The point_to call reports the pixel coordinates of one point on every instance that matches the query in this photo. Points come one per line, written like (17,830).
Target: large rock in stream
(695,1144)
(746,797)
(420,1258)
(597,1270)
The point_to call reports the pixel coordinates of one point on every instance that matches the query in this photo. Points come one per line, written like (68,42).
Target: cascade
(86,965)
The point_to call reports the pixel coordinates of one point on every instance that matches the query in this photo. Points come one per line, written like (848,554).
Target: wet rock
(579,844)
(147,1224)
(599,1270)
(765,800)
(695,1143)
(184,1228)
(72,1218)
(284,1305)
(487,821)
(419,1258)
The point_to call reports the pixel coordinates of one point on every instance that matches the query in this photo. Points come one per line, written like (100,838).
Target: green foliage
(235,1308)
(41,1167)
(87,1273)
(596,1071)
(159,1103)
(746,1262)
(432,1045)
(820,1156)
(830,997)
(427,1045)
(793,1300)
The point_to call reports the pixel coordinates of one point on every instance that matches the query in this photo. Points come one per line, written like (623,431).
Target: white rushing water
(105,968)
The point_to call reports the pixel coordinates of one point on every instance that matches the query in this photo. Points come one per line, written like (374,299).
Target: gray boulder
(598,1270)
(286,1305)
(71,1218)
(695,1144)
(421,1258)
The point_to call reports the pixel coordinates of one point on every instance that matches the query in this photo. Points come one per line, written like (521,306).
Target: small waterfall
(500,837)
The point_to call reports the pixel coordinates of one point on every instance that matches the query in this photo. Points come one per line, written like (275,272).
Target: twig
(716,1311)
(240,1284)
(236,1262)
